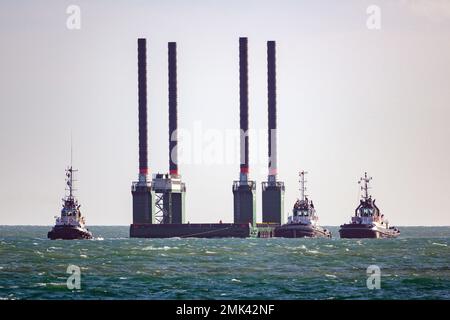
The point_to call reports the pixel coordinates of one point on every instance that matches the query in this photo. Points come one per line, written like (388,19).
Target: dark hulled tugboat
(71,224)
(304,221)
(368,222)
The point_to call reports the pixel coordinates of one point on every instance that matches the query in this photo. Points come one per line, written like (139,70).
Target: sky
(351,98)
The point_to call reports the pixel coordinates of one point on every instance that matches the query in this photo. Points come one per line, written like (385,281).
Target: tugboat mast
(70,171)
(302,185)
(365,187)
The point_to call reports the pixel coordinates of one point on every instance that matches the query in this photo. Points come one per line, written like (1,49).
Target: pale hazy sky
(350,99)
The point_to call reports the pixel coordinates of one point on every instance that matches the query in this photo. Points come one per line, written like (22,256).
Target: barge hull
(191,230)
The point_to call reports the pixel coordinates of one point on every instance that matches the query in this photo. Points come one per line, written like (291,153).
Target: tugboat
(71,224)
(304,221)
(368,222)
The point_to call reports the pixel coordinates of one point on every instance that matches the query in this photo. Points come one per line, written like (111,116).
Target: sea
(112,266)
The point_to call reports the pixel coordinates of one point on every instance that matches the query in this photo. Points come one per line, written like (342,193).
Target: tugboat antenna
(71,149)
(71,167)
(70,171)
(302,185)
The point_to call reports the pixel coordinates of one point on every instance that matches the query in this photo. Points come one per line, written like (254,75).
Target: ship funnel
(243,110)
(173,125)
(142,93)
(272,110)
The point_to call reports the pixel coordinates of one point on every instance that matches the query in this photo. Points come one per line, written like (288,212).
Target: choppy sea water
(113,266)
